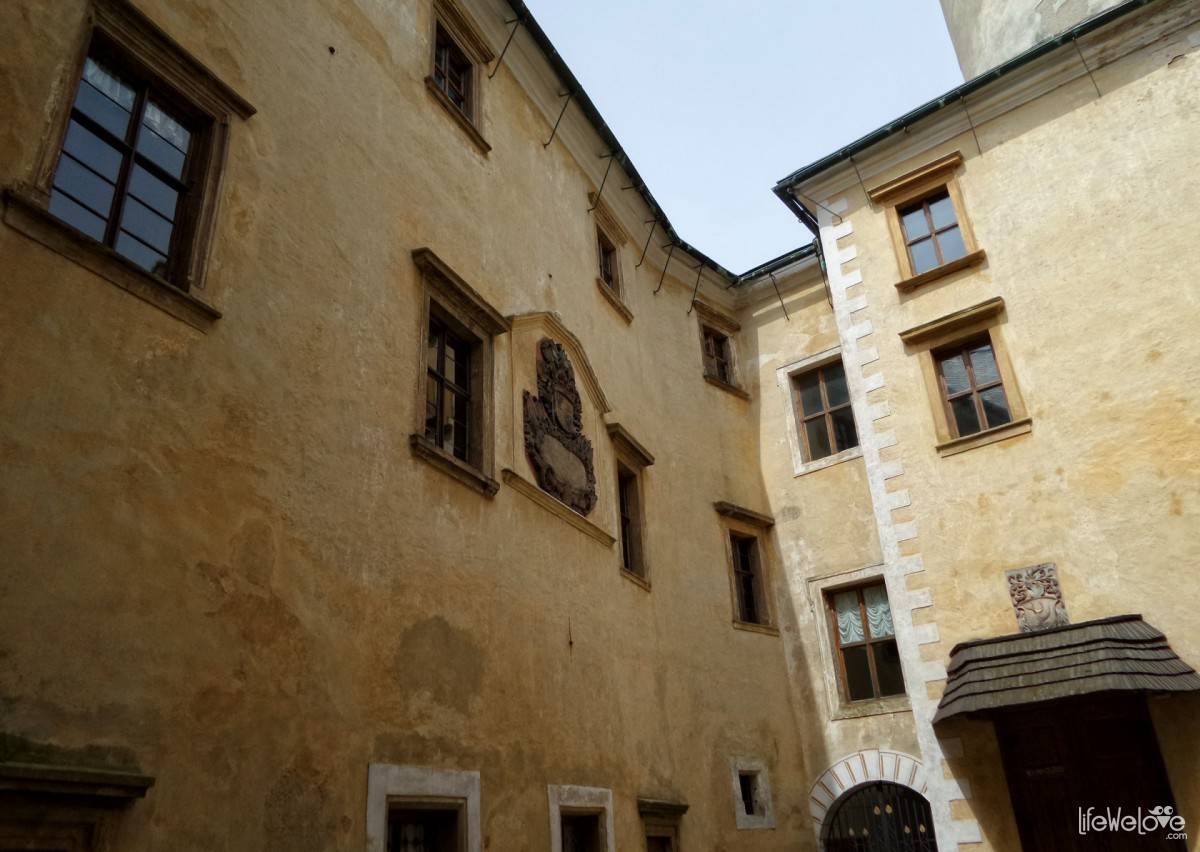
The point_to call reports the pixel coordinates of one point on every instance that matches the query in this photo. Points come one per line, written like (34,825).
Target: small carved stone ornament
(558,451)
(1037,598)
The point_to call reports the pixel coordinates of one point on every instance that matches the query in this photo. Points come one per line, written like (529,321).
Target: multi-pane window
(123,177)
(423,829)
(867,656)
(972,388)
(825,420)
(717,363)
(747,579)
(629,500)
(452,71)
(448,389)
(608,261)
(932,236)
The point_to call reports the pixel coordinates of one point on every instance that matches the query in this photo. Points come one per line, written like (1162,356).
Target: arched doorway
(880,817)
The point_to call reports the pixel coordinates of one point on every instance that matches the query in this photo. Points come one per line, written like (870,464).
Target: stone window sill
(873,707)
(751,627)
(725,386)
(912,283)
(453,466)
(618,304)
(637,579)
(829,461)
(988,436)
(460,118)
(24,212)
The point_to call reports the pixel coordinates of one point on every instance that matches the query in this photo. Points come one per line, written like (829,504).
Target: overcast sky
(714,101)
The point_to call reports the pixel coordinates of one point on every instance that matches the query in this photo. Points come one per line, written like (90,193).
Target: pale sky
(714,101)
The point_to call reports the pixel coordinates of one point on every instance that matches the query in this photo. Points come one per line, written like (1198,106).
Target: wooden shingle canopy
(1118,654)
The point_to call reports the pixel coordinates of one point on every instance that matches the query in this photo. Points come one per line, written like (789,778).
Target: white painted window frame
(573,799)
(784,376)
(762,793)
(389,782)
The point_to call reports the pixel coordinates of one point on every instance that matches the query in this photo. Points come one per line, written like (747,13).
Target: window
(608,261)
(629,506)
(661,821)
(972,387)
(582,833)
(752,807)
(932,236)
(455,408)
(748,787)
(448,408)
(425,827)
(717,363)
(581,819)
(867,656)
(747,579)
(824,418)
(452,71)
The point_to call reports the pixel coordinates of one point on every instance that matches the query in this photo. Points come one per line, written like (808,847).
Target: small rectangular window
(748,787)
(452,71)
(824,416)
(865,638)
(972,388)
(932,236)
(448,402)
(424,827)
(608,261)
(717,363)
(582,833)
(127,173)
(747,579)
(629,500)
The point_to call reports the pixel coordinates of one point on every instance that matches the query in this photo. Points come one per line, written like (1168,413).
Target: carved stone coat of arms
(558,451)
(1037,598)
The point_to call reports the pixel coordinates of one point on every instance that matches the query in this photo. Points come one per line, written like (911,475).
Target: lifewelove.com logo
(1160,820)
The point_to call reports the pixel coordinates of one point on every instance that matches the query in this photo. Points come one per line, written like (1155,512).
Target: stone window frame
(569,798)
(661,818)
(839,707)
(389,782)
(451,19)
(609,228)
(459,305)
(920,183)
(985,319)
(160,59)
(709,317)
(785,376)
(746,523)
(629,453)
(739,766)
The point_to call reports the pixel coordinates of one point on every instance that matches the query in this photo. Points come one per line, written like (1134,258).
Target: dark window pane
(454,423)
(942,211)
(423,831)
(835,385)
(858,673)
(431,409)
(818,439)
(434,340)
(924,256)
(580,832)
(965,417)
(90,150)
(460,374)
(954,371)
(915,224)
(146,225)
(995,407)
(844,433)
(746,788)
(887,668)
(141,254)
(108,83)
(161,152)
(76,216)
(983,362)
(809,386)
(952,245)
(101,109)
(168,128)
(461,425)
(84,186)
(153,192)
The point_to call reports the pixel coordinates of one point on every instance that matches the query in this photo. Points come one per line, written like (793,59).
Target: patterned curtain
(849,618)
(879,613)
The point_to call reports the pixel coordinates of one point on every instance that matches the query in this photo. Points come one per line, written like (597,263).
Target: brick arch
(859,768)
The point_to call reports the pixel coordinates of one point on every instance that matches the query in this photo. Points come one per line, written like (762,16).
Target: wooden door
(1098,752)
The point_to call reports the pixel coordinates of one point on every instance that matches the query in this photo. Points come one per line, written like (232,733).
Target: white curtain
(879,613)
(849,617)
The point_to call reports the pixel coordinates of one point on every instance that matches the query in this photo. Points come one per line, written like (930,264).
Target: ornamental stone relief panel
(558,451)
(1037,597)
